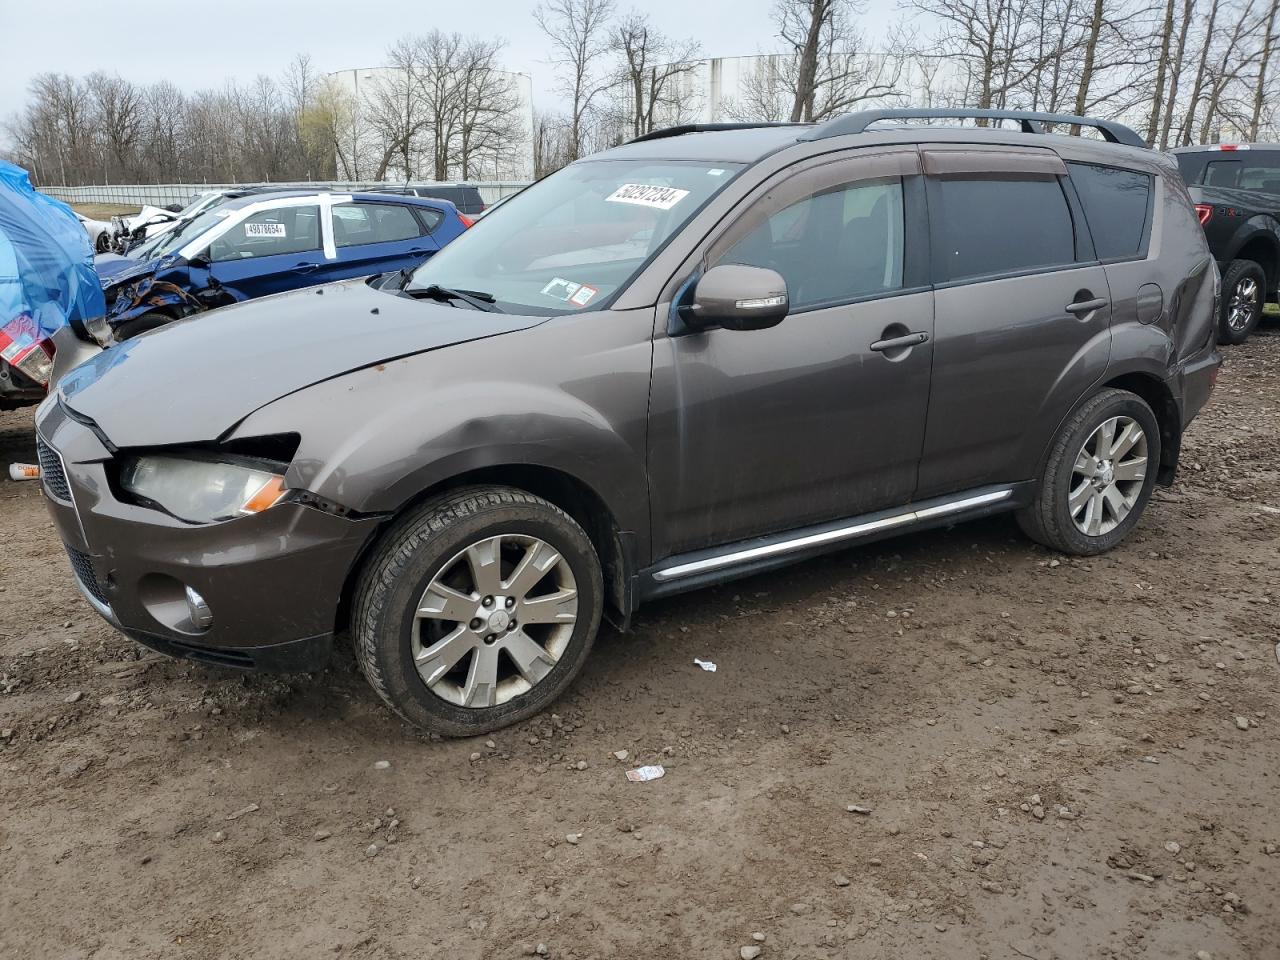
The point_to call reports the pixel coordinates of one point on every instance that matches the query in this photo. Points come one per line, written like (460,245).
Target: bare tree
(1270,43)
(578,31)
(651,65)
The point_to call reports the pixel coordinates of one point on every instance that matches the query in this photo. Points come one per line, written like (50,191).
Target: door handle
(1081,307)
(306,267)
(900,343)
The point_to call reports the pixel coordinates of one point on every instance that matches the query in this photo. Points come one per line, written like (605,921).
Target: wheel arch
(1263,249)
(614,546)
(1159,398)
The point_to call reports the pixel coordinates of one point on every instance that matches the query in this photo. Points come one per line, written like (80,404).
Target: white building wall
(710,91)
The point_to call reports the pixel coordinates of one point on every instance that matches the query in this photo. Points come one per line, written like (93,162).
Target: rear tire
(1244,288)
(477,610)
(1098,477)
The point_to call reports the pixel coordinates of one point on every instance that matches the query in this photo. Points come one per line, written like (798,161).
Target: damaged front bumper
(270,584)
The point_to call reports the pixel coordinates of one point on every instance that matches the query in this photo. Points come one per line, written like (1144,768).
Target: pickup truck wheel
(1243,287)
(1098,477)
(477,610)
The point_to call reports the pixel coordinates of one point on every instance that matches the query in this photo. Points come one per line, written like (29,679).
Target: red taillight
(1229,146)
(24,347)
(467,222)
(1204,211)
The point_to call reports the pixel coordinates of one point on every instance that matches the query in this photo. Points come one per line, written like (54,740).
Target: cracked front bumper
(273,581)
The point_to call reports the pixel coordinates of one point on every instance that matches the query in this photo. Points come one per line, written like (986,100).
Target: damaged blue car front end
(142,294)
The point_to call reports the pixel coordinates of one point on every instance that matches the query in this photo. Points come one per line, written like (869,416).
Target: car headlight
(201,491)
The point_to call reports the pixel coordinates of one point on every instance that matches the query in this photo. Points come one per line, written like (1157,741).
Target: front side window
(270,233)
(1000,225)
(841,244)
(1115,204)
(357,223)
(578,237)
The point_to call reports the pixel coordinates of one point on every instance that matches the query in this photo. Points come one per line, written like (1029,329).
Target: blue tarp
(46,260)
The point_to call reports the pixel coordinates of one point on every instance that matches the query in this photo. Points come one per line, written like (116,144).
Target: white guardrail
(162,194)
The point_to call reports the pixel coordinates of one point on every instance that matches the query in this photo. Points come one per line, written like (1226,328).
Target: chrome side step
(850,531)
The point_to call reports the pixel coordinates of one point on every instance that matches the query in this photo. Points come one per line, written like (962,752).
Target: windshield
(183,233)
(576,238)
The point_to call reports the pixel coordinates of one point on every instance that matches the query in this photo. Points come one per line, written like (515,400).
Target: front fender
(376,438)
(149,294)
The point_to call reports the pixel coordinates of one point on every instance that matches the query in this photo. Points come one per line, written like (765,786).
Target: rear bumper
(1195,382)
(16,390)
(273,582)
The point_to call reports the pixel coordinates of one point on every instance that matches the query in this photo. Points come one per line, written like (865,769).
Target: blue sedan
(263,244)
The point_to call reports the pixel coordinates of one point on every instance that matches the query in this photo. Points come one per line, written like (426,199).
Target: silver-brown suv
(706,353)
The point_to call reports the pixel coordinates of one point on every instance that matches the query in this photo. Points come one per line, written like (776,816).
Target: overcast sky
(201,43)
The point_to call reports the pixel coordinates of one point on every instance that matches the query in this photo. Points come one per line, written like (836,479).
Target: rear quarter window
(1117,204)
(998,225)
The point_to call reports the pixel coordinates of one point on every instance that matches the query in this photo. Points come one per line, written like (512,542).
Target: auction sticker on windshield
(647,195)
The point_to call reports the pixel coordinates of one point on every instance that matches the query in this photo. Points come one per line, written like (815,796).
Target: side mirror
(200,261)
(737,297)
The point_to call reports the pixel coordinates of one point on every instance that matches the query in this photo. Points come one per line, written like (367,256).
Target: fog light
(201,615)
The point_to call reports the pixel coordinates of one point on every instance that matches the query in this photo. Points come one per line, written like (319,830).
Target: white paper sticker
(645,774)
(717,172)
(582,296)
(647,195)
(264,230)
(560,288)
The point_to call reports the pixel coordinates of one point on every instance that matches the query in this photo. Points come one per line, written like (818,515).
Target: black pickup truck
(1236,189)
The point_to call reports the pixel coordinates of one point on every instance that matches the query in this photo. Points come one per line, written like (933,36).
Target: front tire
(477,610)
(1243,296)
(1098,477)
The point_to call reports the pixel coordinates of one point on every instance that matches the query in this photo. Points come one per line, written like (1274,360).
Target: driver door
(755,432)
(270,252)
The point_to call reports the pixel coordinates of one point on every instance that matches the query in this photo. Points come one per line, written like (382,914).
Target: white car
(151,221)
(99,232)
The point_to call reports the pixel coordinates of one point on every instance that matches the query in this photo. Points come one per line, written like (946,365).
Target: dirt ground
(103,211)
(1062,759)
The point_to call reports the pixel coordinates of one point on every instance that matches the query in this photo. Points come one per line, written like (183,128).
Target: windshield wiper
(477,299)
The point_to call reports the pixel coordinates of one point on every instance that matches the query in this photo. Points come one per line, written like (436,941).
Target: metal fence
(162,194)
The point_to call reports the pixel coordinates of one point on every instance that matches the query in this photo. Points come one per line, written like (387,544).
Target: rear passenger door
(1023,313)
(377,237)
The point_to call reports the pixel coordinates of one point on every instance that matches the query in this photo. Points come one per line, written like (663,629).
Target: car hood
(194,380)
(114,269)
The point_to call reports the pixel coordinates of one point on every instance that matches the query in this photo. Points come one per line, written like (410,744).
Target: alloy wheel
(494,620)
(1107,478)
(1243,304)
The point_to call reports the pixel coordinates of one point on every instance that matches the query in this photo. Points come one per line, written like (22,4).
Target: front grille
(83,569)
(52,472)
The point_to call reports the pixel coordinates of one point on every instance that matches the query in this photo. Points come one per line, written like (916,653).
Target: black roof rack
(706,128)
(1031,122)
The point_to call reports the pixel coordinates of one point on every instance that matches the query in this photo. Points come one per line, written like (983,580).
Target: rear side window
(1000,225)
(1116,204)
(359,223)
(1259,172)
